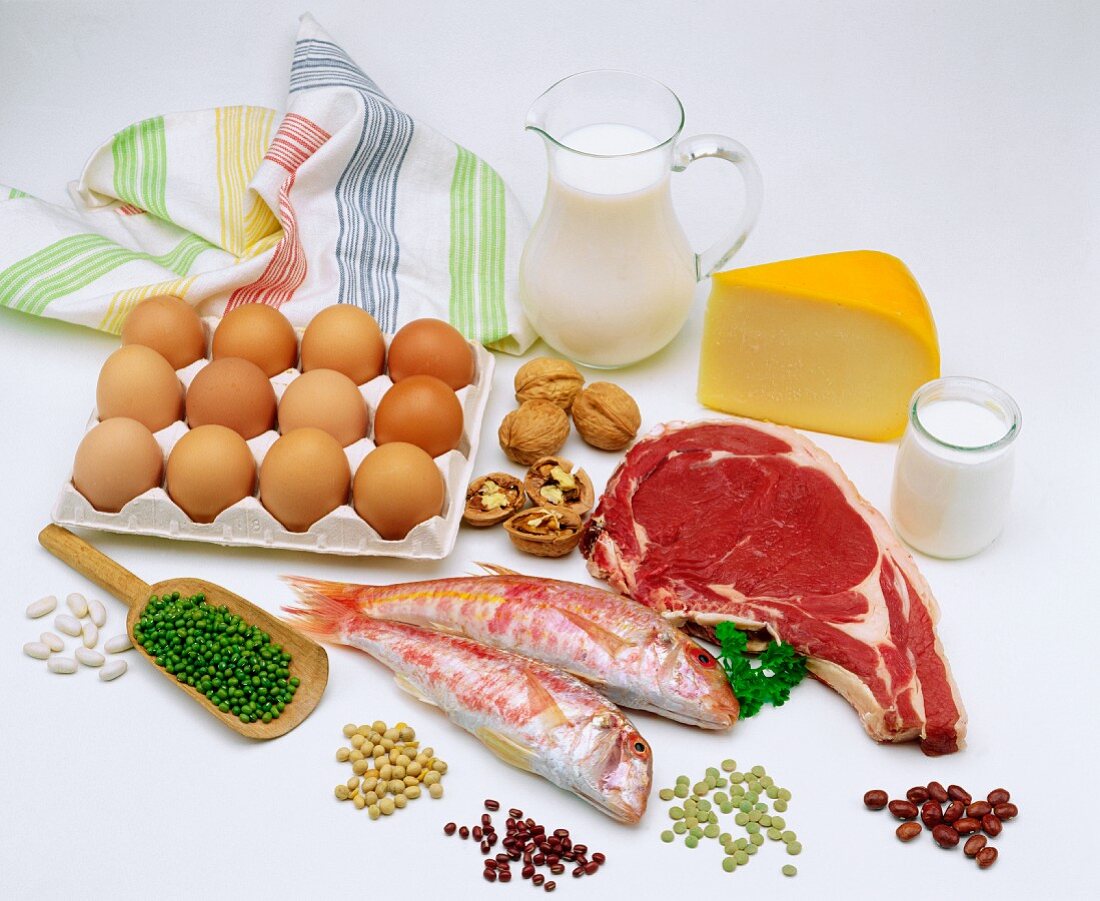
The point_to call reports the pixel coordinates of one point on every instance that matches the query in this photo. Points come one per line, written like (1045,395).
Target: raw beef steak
(753,523)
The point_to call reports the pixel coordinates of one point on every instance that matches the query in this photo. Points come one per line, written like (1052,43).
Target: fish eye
(705,659)
(640,748)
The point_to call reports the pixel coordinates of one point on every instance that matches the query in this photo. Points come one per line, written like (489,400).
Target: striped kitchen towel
(344,199)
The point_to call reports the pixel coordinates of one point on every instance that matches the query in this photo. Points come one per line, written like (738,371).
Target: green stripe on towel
(140,155)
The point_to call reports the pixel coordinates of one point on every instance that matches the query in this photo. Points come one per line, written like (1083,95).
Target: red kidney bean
(931,814)
(987,857)
(945,836)
(906,832)
(918,794)
(876,799)
(937,792)
(490,875)
(978,809)
(953,811)
(449,829)
(974,844)
(550,886)
(903,810)
(998,796)
(966,825)
(991,825)
(958,793)
(1006,811)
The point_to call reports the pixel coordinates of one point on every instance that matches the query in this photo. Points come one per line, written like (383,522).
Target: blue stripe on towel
(367,250)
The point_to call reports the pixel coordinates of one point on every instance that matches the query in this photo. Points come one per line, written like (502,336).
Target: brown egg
(431,347)
(138,383)
(209,469)
(326,400)
(345,338)
(234,393)
(392,514)
(115,462)
(422,411)
(304,477)
(258,333)
(168,325)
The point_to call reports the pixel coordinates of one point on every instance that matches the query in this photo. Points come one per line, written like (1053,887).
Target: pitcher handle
(700,147)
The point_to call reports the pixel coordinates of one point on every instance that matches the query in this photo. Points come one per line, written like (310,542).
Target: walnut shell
(507,499)
(545,489)
(545,378)
(545,531)
(534,430)
(606,416)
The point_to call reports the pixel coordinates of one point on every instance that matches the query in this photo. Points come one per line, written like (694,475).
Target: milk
(953,474)
(607,276)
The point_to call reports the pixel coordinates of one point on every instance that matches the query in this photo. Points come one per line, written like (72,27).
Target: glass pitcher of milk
(607,276)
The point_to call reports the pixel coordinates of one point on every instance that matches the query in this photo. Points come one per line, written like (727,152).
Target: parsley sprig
(778,670)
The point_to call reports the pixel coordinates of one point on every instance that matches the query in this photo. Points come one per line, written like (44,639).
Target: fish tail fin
(326,607)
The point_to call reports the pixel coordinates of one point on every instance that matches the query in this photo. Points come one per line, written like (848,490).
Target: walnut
(493,498)
(606,416)
(555,482)
(545,531)
(536,429)
(545,378)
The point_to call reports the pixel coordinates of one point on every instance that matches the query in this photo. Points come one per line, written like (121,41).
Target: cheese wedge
(834,343)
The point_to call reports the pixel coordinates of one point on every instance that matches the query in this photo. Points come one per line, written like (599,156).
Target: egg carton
(248,524)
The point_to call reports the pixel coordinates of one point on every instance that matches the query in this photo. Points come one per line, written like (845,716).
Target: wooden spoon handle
(93,564)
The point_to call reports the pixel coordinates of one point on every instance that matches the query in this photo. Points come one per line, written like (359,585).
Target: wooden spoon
(309,661)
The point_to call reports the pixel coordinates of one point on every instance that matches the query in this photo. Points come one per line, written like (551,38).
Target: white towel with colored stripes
(343,199)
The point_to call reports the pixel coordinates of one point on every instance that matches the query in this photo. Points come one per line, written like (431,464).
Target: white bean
(118,644)
(61,665)
(89,657)
(53,642)
(42,606)
(97,612)
(89,635)
(77,603)
(37,650)
(112,670)
(70,625)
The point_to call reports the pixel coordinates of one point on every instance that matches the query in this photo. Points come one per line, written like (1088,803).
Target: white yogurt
(954,469)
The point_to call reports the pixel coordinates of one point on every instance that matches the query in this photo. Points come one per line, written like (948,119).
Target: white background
(961,137)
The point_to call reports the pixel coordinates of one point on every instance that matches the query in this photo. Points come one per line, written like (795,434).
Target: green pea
(666,794)
(751,849)
(774,834)
(789,836)
(752,828)
(667,836)
(741,819)
(784,794)
(729,765)
(754,788)
(729,864)
(691,805)
(681,790)
(691,841)
(789,870)
(758,771)
(712,817)
(711,831)
(794,848)
(742,857)
(780,805)
(679,828)
(779,822)
(756,839)
(772,792)
(677,813)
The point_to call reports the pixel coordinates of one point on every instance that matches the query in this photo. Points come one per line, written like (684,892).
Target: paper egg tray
(343,531)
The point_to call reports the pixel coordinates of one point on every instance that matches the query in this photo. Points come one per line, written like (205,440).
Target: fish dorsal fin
(542,703)
(511,752)
(609,641)
(494,570)
(594,681)
(446,628)
(405,685)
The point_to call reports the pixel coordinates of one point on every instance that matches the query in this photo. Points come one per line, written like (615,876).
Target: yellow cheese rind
(834,343)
